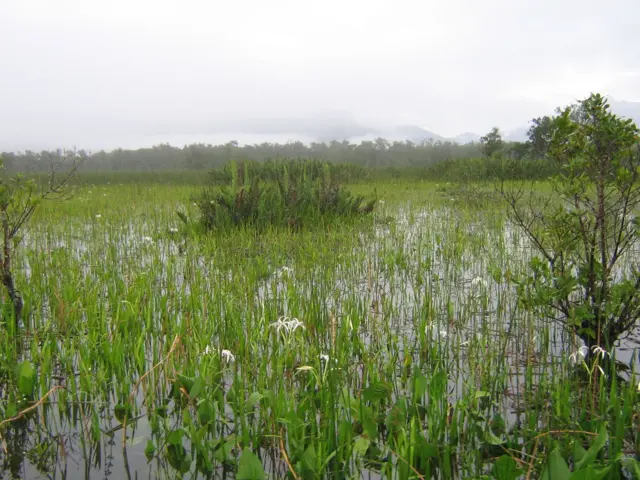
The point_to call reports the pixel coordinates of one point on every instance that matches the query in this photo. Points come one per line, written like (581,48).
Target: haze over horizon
(78,73)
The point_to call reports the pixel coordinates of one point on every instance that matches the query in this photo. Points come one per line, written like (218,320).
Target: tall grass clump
(272,170)
(291,198)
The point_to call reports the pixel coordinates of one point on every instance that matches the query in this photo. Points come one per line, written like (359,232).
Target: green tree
(584,274)
(540,136)
(492,142)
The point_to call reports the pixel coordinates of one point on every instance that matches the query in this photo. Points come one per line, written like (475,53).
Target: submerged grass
(395,349)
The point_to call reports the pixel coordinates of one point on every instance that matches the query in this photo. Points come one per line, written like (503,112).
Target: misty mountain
(466,137)
(626,109)
(517,135)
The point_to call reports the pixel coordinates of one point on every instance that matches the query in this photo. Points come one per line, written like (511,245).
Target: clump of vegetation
(585,274)
(291,199)
(272,170)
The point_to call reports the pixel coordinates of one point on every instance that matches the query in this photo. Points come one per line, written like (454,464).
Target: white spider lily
(224,354)
(173,230)
(600,351)
(228,356)
(579,355)
(324,357)
(147,239)
(287,324)
(444,333)
(478,282)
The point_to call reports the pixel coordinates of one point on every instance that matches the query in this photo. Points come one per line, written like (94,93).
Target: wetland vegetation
(399,327)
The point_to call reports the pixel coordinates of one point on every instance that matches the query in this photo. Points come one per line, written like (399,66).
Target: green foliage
(290,200)
(492,142)
(273,170)
(250,467)
(26,378)
(540,136)
(585,230)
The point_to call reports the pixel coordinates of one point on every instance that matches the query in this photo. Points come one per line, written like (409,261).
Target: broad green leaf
(506,468)
(420,383)
(26,378)
(361,445)
(578,451)
(427,449)
(310,459)
(592,453)
(253,400)
(197,388)
(175,437)
(149,450)
(376,392)
(206,412)
(250,467)
(396,418)
(590,473)
(491,439)
(556,468)
(178,458)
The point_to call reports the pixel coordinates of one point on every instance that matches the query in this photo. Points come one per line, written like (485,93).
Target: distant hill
(416,134)
(626,109)
(467,137)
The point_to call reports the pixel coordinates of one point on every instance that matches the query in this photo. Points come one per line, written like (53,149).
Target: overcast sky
(98,74)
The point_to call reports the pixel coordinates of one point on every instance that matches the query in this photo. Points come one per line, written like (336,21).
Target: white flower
(381,201)
(478,281)
(228,356)
(287,324)
(173,230)
(98,216)
(444,333)
(224,354)
(600,351)
(89,191)
(579,355)
(195,204)
(287,270)
(324,357)
(147,239)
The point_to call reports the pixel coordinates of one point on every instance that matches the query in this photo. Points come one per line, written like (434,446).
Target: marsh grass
(290,194)
(415,358)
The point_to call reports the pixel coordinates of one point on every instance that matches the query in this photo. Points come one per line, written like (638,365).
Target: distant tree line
(488,158)
(378,153)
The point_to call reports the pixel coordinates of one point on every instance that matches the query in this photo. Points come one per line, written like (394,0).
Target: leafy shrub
(288,200)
